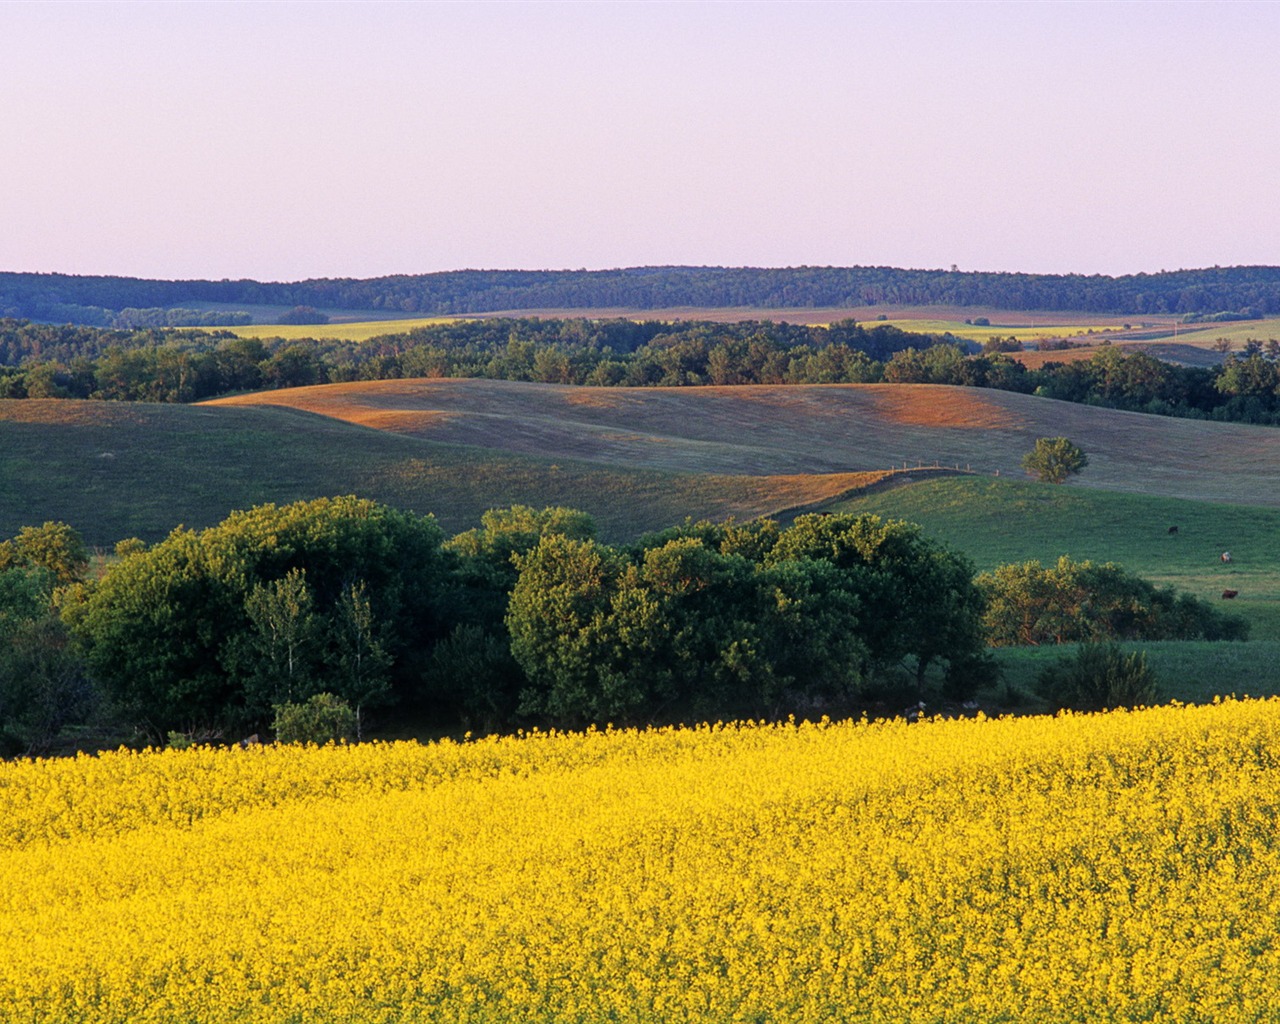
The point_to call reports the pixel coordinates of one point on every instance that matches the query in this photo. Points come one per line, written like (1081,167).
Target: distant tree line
(1243,291)
(40,361)
(524,620)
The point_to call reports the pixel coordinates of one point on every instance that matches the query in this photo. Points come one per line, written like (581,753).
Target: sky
(281,141)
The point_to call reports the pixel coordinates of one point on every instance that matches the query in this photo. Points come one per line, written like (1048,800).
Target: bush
(1083,602)
(303,315)
(1098,677)
(320,719)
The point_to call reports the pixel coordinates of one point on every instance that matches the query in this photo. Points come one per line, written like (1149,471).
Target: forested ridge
(100,300)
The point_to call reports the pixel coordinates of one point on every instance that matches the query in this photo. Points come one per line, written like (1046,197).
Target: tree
(279,653)
(1100,676)
(337,593)
(557,618)
(54,546)
(363,661)
(1053,459)
(1030,604)
(43,686)
(916,597)
(678,629)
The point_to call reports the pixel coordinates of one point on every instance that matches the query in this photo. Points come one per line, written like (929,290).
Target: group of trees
(1237,290)
(1085,602)
(43,684)
(40,361)
(527,619)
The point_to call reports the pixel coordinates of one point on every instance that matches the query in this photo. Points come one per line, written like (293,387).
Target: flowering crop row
(1119,867)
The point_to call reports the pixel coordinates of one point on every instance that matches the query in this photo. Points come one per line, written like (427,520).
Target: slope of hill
(794,429)
(638,459)
(115,470)
(999,521)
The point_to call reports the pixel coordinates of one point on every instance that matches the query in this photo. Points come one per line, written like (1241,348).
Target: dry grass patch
(937,406)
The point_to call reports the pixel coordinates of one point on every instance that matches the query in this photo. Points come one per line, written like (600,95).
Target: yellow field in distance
(980,334)
(355,331)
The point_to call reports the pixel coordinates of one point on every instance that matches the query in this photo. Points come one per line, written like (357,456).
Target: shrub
(320,719)
(1098,677)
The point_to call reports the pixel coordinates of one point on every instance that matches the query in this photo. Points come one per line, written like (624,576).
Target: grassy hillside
(117,470)
(997,521)
(645,459)
(824,429)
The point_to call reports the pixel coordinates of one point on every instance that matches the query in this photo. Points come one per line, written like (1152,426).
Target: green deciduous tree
(338,594)
(1099,676)
(43,685)
(280,654)
(321,718)
(680,628)
(917,597)
(54,546)
(1029,603)
(1053,459)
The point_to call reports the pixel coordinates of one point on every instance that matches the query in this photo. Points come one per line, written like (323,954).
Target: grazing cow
(1226,556)
(1172,530)
(1227,595)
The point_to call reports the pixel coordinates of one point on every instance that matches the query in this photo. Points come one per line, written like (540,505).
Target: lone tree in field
(1053,459)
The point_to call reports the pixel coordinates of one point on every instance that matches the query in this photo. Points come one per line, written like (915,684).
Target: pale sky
(280,141)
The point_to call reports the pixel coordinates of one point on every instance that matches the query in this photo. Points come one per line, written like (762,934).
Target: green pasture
(1190,671)
(1204,336)
(999,521)
(1237,332)
(115,470)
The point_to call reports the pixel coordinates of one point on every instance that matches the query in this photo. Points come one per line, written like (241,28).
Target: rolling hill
(788,430)
(638,459)
(115,470)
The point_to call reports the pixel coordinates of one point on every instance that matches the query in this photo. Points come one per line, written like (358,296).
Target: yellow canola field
(1123,867)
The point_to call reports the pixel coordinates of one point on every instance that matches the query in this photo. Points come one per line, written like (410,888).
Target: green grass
(644,459)
(115,470)
(1190,671)
(1236,331)
(356,331)
(999,521)
(779,430)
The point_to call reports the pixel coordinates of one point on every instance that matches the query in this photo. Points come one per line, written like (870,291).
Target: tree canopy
(1053,459)
(270,606)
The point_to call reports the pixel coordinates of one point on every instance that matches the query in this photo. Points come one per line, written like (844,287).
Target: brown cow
(1227,595)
